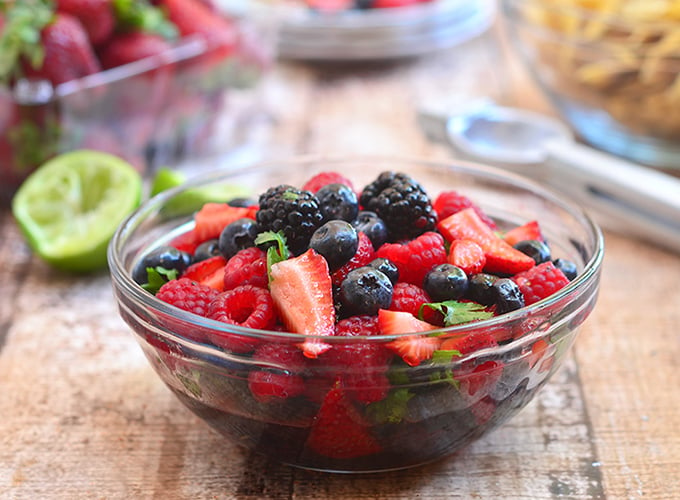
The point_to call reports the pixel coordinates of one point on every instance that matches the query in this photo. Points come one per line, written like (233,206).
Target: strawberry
(466,344)
(209,272)
(212,218)
(124,48)
(186,242)
(540,282)
(468,255)
(413,349)
(196,18)
(500,256)
(68,54)
(449,202)
(303,293)
(96,16)
(338,430)
(528,231)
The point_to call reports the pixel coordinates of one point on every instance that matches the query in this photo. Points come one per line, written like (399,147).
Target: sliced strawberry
(338,431)
(212,218)
(528,231)
(303,293)
(209,272)
(467,255)
(450,202)
(500,256)
(413,349)
(186,242)
(480,379)
(466,344)
(540,282)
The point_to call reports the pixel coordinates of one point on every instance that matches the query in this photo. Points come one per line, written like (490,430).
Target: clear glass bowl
(612,76)
(158,111)
(430,410)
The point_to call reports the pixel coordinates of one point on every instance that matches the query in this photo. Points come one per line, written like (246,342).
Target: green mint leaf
(456,312)
(157,277)
(444,358)
(391,409)
(143,16)
(276,252)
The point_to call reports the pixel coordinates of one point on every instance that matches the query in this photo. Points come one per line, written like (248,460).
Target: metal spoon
(622,196)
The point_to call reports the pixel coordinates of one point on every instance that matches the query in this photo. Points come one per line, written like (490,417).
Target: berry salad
(347,327)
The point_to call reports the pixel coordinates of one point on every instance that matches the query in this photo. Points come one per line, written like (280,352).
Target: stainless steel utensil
(622,196)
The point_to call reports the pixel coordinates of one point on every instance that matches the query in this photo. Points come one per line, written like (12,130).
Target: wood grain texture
(83,416)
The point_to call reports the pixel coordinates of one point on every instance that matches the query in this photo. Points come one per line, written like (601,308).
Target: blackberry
(401,203)
(294,212)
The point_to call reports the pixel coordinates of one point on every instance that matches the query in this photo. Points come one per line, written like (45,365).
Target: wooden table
(82,415)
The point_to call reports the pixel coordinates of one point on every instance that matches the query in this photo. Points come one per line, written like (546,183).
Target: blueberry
(372,226)
(567,267)
(166,257)
(480,288)
(365,290)
(337,241)
(508,295)
(445,282)
(238,235)
(241,202)
(207,249)
(338,201)
(535,249)
(387,267)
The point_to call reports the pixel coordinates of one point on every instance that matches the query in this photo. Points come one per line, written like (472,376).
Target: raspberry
(362,257)
(408,298)
(450,202)
(272,382)
(247,267)
(325,178)
(540,282)
(416,257)
(362,364)
(187,295)
(296,213)
(401,203)
(248,306)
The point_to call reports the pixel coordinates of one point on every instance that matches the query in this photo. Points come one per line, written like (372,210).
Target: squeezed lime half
(70,207)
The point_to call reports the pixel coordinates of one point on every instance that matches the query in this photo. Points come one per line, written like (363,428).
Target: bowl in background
(423,412)
(609,68)
(153,112)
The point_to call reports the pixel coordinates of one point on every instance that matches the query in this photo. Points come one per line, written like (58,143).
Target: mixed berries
(333,263)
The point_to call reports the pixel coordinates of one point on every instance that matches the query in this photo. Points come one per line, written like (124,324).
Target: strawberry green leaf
(20,35)
(143,16)
(157,277)
(456,312)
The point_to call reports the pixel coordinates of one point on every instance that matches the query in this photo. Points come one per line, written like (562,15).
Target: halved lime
(69,208)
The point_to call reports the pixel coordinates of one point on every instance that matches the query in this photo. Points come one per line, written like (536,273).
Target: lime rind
(69,208)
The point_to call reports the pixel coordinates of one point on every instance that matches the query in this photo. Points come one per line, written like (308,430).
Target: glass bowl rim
(136,293)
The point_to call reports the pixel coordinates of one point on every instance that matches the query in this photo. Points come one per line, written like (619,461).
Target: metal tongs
(622,196)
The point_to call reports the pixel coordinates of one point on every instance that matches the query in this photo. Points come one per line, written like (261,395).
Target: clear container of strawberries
(146,81)
(305,317)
